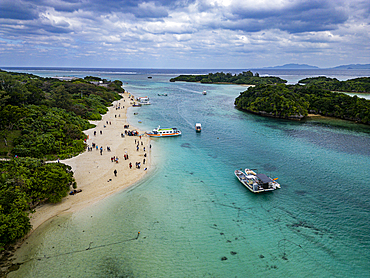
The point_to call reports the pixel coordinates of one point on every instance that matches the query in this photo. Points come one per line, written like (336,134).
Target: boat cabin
(264,180)
(164,132)
(143,100)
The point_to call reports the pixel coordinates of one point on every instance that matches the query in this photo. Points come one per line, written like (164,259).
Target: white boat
(143,100)
(204,92)
(164,132)
(256,183)
(198,127)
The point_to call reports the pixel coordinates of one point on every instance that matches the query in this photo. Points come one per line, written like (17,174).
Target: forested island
(358,85)
(297,101)
(42,119)
(245,78)
(272,97)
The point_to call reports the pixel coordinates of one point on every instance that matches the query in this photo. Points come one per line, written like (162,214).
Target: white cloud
(216,31)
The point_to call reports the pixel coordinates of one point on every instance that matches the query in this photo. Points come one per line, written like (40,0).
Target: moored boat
(143,100)
(164,132)
(256,183)
(198,127)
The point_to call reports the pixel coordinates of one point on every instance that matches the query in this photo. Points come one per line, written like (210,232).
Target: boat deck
(254,183)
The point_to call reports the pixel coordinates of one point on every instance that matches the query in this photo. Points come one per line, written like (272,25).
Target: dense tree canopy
(361,84)
(45,117)
(24,183)
(275,101)
(296,101)
(220,77)
(42,119)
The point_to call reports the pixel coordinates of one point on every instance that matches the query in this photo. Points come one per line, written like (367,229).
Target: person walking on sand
(130,165)
(115,172)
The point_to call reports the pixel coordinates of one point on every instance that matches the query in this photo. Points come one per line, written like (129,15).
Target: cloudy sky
(184,33)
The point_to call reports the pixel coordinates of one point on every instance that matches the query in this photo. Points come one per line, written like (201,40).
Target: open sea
(194,217)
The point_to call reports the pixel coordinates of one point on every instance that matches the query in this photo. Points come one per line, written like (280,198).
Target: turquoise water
(194,217)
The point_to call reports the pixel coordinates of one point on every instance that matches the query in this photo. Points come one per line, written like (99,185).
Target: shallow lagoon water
(194,217)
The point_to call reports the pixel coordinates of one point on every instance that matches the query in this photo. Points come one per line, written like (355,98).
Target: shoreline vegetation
(244,78)
(356,85)
(296,102)
(47,125)
(271,97)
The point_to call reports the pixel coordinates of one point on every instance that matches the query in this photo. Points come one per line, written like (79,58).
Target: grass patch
(6,141)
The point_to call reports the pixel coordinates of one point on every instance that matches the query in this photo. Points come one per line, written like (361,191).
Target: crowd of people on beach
(140,147)
(125,156)
(131,132)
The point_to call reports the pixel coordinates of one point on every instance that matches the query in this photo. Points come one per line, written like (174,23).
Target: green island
(42,119)
(271,97)
(245,78)
(296,101)
(358,85)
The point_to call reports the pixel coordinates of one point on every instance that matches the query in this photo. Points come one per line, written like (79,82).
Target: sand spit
(94,170)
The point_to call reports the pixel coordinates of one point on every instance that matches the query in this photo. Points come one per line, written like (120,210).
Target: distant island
(244,78)
(305,66)
(354,66)
(293,66)
(357,85)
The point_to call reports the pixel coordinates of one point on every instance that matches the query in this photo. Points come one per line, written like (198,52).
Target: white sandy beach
(94,172)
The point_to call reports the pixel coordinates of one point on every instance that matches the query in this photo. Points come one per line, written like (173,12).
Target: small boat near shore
(164,132)
(162,95)
(256,183)
(143,100)
(198,127)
